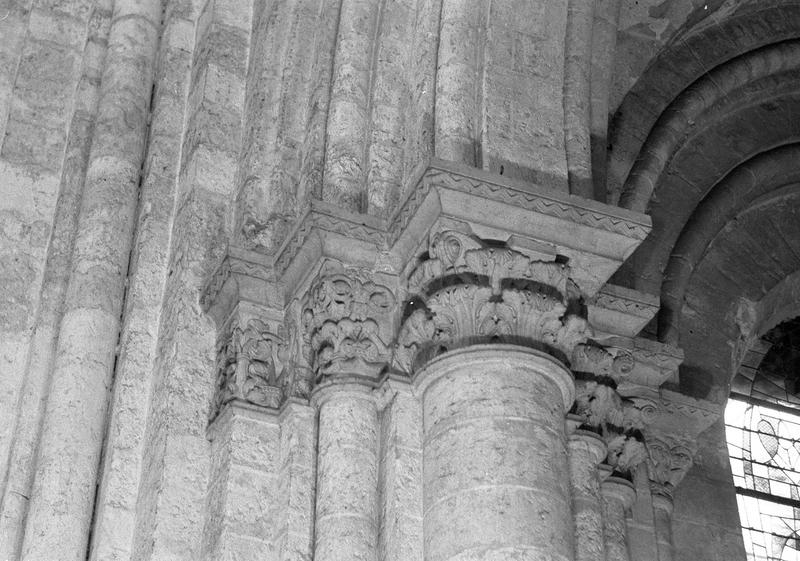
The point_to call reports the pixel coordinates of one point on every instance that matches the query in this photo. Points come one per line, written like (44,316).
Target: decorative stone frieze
(467,292)
(348,321)
(243,276)
(595,238)
(498,188)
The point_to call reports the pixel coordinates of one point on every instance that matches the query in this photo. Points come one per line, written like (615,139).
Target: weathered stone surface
(400,480)
(378,184)
(481,497)
(243,481)
(347,474)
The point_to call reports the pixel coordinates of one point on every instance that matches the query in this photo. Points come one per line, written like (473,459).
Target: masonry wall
(254,110)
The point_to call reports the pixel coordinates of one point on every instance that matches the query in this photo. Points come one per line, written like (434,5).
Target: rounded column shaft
(586,451)
(662,520)
(62,497)
(494,455)
(618,495)
(347,474)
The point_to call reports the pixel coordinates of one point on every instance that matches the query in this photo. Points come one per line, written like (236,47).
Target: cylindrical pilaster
(618,495)
(63,493)
(347,473)
(662,520)
(494,455)
(586,451)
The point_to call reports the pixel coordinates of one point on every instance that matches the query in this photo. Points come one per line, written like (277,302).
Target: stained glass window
(764,447)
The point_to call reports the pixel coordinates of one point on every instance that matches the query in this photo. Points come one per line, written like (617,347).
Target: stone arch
(691,55)
(770,174)
(679,119)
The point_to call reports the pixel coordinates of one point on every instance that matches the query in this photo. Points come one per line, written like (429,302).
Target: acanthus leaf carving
(604,411)
(347,319)
(418,329)
(468,292)
(598,404)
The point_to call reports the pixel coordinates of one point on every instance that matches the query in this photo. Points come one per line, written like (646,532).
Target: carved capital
(604,411)
(256,365)
(598,404)
(467,292)
(629,361)
(248,366)
(668,461)
(348,319)
(639,412)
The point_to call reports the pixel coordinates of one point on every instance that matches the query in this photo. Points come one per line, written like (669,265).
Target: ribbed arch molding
(774,174)
(724,299)
(752,120)
(679,119)
(690,57)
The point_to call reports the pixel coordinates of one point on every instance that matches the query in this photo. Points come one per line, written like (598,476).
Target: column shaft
(494,455)
(618,495)
(296,483)
(400,537)
(586,450)
(662,520)
(347,474)
(66,475)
